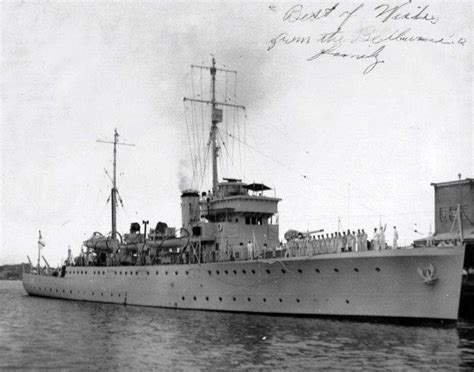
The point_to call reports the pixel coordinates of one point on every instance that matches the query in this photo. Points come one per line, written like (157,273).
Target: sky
(345,120)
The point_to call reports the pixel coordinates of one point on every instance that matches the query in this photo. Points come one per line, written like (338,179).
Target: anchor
(428,274)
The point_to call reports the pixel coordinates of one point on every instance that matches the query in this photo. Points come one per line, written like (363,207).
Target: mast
(215,149)
(216,116)
(41,244)
(114,191)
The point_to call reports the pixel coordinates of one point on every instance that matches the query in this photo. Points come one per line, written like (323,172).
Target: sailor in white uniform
(395,237)
(249,250)
(382,237)
(363,240)
(375,240)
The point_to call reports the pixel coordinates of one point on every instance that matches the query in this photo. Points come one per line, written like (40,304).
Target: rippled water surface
(47,333)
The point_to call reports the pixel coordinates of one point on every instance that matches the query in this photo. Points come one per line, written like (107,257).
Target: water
(47,333)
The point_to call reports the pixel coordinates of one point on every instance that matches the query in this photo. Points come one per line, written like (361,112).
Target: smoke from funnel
(184,180)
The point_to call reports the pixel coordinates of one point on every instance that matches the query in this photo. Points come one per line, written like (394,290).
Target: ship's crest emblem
(428,274)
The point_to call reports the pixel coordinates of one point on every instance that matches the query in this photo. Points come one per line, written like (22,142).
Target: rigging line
(298,172)
(202,116)
(191,155)
(193,137)
(194,121)
(226,150)
(226,123)
(240,147)
(233,116)
(204,168)
(197,129)
(245,138)
(285,135)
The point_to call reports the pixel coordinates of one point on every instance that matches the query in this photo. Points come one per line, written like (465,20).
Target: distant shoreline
(11,272)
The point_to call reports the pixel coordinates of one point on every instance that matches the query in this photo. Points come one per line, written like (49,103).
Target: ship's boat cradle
(407,283)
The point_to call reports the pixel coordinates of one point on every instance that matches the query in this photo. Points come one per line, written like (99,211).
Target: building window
(247,220)
(452,213)
(443,214)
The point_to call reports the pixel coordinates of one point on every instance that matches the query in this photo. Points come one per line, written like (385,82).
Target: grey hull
(390,283)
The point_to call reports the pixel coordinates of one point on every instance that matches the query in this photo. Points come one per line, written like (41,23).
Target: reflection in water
(46,333)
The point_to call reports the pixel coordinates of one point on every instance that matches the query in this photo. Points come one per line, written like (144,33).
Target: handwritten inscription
(339,30)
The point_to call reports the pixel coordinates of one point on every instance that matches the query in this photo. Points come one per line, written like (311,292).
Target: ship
(227,256)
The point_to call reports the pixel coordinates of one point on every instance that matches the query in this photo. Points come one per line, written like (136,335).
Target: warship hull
(420,283)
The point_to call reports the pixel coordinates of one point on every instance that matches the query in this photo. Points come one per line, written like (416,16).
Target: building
(454,221)
(449,196)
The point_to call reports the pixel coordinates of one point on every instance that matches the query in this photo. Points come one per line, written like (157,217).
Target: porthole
(56,290)
(194,298)
(264,300)
(317,270)
(207,298)
(235,272)
(298,300)
(119,294)
(244,272)
(209,272)
(166,272)
(156,273)
(121,273)
(50,289)
(248,299)
(283,271)
(347,301)
(136,272)
(268,271)
(253,271)
(70,291)
(126,272)
(377,269)
(217,272)
(226,272)
(300,271)
(187,272)
(101,294)
(81,272)
(336,270)
(103,272)
(148,273)
(280,300)
(111,295)
(234,299)
(356,269)
(93,273)
(183,298)
(220,298)
(176,272)
(92,293)
(64,291)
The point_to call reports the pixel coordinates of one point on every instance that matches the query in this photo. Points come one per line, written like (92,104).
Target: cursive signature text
(332,51)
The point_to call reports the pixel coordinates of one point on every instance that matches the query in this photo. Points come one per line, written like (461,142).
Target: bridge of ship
(231,217)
